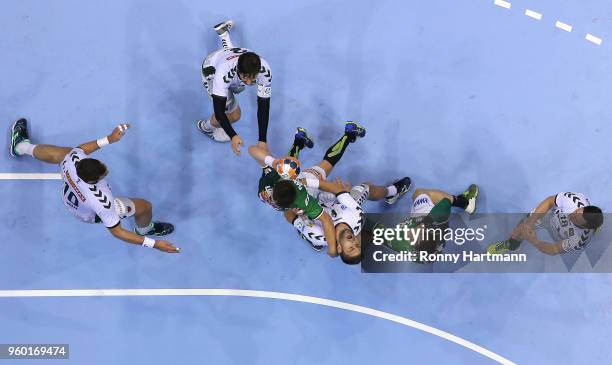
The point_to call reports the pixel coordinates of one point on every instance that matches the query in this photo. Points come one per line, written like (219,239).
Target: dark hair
(593,217)
(350,260)
(90,170)
(249,64)
(284,193)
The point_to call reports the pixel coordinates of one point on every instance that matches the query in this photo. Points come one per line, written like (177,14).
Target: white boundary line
(503,4)
(591,38)
(257,294)
(566,27)
(29,176)
(533,14)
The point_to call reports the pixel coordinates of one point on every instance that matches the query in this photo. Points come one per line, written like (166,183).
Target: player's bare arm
(130,237)
(115,136)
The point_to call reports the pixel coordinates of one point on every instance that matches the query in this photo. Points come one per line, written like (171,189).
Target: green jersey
(303,201)
(437,218)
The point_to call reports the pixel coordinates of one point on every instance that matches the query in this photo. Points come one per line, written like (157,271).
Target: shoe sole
(228,23)
(400,195)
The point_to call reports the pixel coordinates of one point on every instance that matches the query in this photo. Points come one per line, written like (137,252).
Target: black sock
(335,152)
(513,244)
(297,146)
(460,201)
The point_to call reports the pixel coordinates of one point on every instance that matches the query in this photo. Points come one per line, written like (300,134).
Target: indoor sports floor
(452,92)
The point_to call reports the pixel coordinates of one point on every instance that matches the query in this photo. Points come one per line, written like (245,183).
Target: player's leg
(465,200)
(377,192)
(21,145)
(142,210)
(222,30)
(212,128)
(352,131)
(301,139)
(511,244)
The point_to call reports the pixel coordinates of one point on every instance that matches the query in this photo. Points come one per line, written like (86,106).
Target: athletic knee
(418,192)
(142,206)
(235,115)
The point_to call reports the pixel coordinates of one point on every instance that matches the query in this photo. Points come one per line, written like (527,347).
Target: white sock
(269,160)
(25,148)
(226,42)
(391,190)
(144,230)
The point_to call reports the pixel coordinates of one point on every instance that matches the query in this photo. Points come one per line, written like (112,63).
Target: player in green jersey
(336,199)
(428,219)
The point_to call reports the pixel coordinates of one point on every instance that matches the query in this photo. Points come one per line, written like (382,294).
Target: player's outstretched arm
(259,153)
(541,209)
(115,136)
(330,234)
(131,237)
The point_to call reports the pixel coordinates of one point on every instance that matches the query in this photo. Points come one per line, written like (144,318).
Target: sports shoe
(302,135)
(403,185)
(498,248)
(216,134)
(471,194)
(354,131)
(159,229)
(19,133)
(224,26)
(201,125)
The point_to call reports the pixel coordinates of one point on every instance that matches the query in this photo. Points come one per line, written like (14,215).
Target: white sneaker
(223,26)
(219,135)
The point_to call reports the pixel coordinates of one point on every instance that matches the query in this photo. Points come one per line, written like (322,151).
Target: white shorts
(207,80)
(124,207)
(316,172)
(359,192)
(422,204)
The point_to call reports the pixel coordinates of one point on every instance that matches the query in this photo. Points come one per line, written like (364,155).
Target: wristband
(312,183)
(102,142)
(269,161)
(148,242)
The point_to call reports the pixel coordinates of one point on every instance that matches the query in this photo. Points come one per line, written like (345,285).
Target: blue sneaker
(302,135)
(19,133)
(403,186)
(354,131)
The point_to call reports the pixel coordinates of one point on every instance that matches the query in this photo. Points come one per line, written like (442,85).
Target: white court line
(533,14)
(566,27)
(257,294)
(29,176)
(503,4)
(591,38)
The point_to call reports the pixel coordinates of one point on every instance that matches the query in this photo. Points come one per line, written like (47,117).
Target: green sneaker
(498,248)
(19,133)
(471,195)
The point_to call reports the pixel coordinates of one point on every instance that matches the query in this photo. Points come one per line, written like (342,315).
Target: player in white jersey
(341,202)
(569,218)
(86,193)
(227,72)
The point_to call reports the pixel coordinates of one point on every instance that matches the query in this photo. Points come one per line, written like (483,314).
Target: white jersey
(87,202)
(346,208)
(226,77)
(560,226)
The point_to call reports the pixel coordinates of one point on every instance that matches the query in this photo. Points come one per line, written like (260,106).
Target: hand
(343,185)
(237,144)
(166,246)
(296,211)
(118,132)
